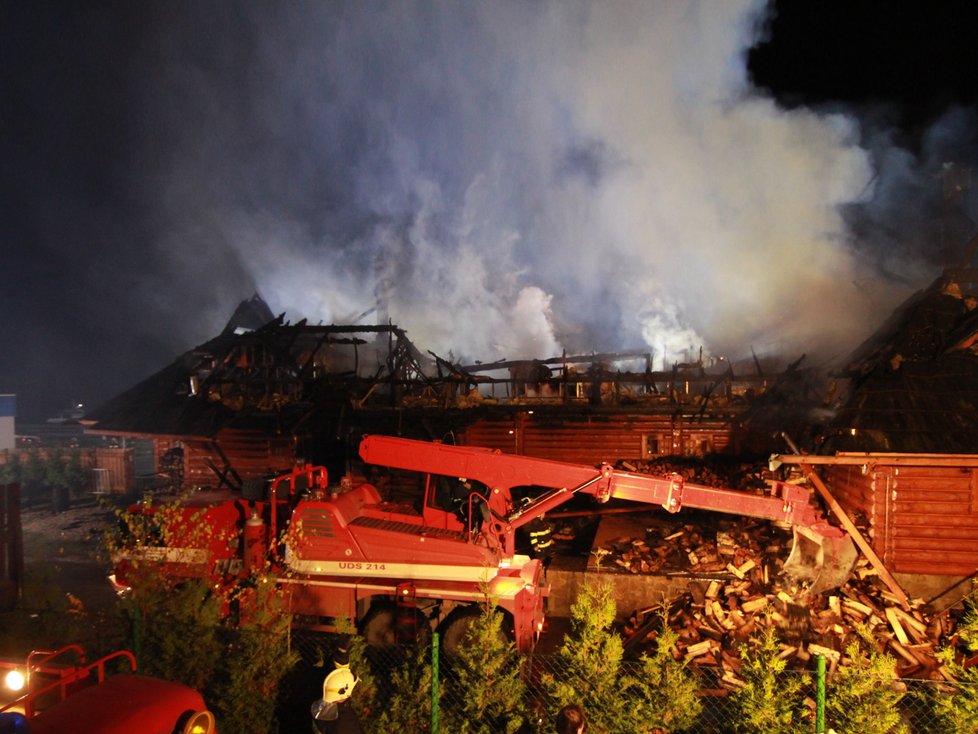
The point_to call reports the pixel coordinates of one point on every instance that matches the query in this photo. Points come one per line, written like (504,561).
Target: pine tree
(769,703)
(664,692)
(408,709)
(365,699)
(864,694)
(483,682)
(958,710)
(588,664)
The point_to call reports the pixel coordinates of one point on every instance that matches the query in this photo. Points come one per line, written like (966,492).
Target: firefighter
(460,492)
(333,714)
(541,540)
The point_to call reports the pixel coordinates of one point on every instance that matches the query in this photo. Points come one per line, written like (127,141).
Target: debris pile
(736,587)
(683,548)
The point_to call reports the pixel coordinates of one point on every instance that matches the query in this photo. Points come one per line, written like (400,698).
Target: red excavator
(339,551)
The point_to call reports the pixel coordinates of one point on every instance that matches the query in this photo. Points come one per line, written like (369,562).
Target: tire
(453,629)
(377,626)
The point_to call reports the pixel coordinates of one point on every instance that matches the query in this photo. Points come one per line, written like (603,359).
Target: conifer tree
(958,710)
(408,709)
(769,703)
(365,699)
(864,695)
(588,665)
(664,691)
(484,688)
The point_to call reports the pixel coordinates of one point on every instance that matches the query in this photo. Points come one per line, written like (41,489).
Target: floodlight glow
(14,680)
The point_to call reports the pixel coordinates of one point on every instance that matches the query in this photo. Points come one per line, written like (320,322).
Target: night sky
(502,179)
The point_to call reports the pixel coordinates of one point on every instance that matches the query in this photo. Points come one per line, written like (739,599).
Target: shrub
(255,660)
(769,702)
(665,692)
(182,629)
(864,694)
(589,663)
(483,681)
(408,709)
(957,709)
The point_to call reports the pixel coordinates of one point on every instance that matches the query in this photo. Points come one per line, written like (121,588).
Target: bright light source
(14,680)
(201,722)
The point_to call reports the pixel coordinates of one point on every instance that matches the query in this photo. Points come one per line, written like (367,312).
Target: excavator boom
(819,546)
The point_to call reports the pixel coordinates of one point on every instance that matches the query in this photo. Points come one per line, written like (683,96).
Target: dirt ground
(65,550)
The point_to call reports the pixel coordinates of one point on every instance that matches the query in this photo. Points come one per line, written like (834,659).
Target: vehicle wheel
(198,722)
(456,625)
(453,629)
(377,625)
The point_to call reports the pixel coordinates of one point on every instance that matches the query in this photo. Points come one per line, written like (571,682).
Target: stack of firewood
(670,547)
(718,615)
(737,587)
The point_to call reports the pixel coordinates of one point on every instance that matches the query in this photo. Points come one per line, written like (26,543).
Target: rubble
(736,587)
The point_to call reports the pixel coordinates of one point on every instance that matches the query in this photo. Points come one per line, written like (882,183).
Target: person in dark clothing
(333,714)
(571,720)
(541,540)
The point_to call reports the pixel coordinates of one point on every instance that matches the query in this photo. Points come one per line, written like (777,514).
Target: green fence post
(434,683)
(819,694)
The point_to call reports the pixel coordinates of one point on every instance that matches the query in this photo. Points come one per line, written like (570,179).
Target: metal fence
(416,690)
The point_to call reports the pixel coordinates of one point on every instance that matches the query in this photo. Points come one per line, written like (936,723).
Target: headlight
(201,722)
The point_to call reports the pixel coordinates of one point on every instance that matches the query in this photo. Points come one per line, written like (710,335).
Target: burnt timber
(266,393)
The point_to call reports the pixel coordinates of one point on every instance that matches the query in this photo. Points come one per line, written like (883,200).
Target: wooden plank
(895,625)
(939,532)
(902,540)
(754,605)
(956,520)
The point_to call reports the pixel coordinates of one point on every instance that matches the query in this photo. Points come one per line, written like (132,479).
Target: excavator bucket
(826,562)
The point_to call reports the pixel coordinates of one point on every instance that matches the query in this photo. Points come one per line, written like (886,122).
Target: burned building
(266,393)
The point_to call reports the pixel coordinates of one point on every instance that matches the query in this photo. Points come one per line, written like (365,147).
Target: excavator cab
(456,503)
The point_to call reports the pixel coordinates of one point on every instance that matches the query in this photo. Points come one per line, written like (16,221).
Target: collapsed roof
(913,385)
(262,373)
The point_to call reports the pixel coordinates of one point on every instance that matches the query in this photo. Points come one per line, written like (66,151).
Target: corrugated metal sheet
(605,438)
(921,519)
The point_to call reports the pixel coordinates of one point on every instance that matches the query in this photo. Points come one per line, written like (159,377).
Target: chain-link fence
(415,689)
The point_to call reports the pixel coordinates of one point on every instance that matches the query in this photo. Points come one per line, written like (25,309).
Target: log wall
(921,519)
(598,439)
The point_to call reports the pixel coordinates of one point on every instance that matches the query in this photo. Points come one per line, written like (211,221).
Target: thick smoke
(506,180)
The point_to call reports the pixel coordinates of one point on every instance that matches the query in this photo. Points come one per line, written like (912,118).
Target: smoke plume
(505,179)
